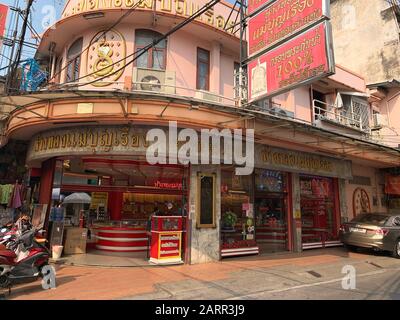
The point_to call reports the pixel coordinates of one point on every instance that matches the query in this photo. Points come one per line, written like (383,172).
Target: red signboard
(170,245)
(253,5)
(392,185)
(304,58)
(3,18)
(282,19)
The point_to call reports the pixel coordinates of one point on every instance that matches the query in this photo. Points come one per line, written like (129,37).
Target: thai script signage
(306,58)
(170,245)
(282,19)
(254,5)
(216,17)
(292,161)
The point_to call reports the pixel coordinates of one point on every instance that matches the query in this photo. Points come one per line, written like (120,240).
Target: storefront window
(318,211)
(237,210)
(271,208)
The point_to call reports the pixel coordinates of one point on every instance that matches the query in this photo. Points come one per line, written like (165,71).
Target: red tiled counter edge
(121,239)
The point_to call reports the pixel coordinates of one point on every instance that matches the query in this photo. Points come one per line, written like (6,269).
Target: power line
(194,16)
(13,71)
(126,14)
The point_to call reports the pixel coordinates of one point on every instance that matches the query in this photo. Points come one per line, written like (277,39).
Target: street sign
(302,60)
(281,20)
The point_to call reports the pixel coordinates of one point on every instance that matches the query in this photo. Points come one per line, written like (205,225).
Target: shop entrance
(319,212)
(121,197)
(271,209)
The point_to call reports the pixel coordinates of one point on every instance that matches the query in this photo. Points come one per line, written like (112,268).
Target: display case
(166,240)
(121,236)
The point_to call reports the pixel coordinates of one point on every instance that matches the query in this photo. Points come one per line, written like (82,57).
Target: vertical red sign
(3,18)
(280,20)
(302,59)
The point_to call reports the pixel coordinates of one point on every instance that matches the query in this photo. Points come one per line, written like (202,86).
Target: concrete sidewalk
(239,278)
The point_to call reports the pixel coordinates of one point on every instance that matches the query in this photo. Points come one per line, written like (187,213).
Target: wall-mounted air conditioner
(380,120)
(154,80)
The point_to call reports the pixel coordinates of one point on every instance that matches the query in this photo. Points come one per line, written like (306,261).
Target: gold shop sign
(102,139)
(297,161)
(216,17)
(119,140)
(293,161)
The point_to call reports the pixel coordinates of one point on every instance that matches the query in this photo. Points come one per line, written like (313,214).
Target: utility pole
(11,82)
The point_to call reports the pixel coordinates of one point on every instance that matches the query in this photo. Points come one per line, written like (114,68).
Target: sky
(43,12)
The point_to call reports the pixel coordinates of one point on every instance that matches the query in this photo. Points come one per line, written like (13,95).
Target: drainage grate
(315,274)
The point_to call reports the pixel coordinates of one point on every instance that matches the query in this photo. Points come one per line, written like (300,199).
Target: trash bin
(57,251)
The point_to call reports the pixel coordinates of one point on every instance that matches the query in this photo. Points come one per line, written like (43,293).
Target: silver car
(378,231)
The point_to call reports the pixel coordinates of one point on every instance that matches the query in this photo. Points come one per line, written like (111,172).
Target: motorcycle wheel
(4,281)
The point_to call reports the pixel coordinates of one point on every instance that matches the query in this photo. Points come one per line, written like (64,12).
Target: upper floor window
(203,69)
(155,57)
(74,60)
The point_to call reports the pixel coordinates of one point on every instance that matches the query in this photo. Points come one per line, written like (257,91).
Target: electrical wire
(126,14)
(202,10)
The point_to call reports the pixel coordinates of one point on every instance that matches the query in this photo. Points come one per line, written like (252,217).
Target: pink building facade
(317,162)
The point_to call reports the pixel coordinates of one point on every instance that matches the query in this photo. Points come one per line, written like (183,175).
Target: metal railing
(183,92)
(156,88)
(353,116)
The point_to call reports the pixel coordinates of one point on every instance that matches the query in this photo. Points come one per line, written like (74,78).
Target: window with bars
(74,60)
(155,57)
(203,69)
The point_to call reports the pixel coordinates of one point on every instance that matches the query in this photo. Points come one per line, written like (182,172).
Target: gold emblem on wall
(106,58)
(361,202)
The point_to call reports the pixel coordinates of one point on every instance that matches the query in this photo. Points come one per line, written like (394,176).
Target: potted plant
(229,220)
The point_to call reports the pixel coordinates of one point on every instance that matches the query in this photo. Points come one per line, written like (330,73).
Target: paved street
(314,274)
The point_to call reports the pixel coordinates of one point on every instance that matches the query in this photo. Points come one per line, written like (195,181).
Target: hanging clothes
(16,201)
(6,191)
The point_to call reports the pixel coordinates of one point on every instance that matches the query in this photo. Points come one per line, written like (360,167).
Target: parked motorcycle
(23,258)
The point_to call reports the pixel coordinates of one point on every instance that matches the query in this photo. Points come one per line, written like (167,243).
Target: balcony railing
(354,116)
(167,90)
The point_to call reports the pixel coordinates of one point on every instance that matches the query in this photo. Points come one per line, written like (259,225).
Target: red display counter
(121,239)
(166,240)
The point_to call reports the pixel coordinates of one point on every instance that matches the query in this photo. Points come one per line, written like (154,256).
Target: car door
(393,224)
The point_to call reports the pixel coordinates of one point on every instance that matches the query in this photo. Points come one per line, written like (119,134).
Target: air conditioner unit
(154,80)
(208,96)
(380,120)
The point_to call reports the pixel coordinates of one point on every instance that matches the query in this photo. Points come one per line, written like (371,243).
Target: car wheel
(351,248)
(396,250)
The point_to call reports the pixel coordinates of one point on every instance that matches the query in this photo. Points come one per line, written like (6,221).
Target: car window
(372,218)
